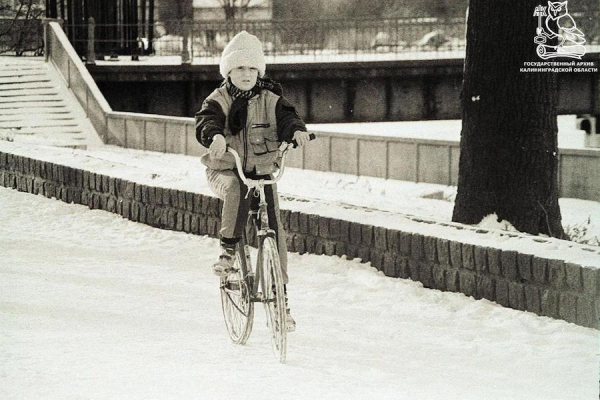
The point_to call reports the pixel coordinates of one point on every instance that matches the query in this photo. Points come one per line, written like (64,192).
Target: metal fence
(292,37)
(318,38)
(201,39)
(323,39)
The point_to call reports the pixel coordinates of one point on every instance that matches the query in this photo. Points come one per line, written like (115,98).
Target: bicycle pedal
(290,322)
(223,271)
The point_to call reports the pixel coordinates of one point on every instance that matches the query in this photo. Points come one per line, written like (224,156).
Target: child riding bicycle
(248,113)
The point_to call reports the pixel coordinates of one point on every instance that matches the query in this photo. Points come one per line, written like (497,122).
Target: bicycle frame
(239,294)
(260,220)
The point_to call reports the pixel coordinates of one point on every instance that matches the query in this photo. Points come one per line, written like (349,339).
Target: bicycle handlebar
(253,183)
(311,136)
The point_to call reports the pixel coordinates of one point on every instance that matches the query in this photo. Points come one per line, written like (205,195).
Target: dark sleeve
(288,120)
(210,120)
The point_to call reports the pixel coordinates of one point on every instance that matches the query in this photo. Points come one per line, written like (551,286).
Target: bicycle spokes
(236,301)
(274,297)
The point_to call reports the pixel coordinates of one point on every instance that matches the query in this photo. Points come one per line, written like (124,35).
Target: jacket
(271,120)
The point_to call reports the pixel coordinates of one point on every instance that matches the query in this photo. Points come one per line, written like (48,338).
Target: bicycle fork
(260,222)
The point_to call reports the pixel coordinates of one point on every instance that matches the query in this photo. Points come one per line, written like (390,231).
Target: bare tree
(23,32)
(173,13)
(232,7)
(342,9)
(509,153)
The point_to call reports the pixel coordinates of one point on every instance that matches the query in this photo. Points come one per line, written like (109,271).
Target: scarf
(238,115)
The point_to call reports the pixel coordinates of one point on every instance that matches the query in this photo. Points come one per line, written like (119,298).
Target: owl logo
(560,26)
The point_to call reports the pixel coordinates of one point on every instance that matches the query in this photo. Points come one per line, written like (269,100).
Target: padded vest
(257,144)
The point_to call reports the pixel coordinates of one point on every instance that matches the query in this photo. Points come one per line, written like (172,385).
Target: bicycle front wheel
(274,297)
(236,302)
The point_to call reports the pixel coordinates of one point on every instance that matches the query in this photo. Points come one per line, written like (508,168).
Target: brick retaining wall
(543,286)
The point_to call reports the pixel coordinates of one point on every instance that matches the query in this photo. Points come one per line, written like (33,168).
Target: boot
(224,265)
(291,323)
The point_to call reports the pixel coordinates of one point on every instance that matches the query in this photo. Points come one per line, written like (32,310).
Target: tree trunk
(51,9)
(229,12)
(509,152)
(150,27)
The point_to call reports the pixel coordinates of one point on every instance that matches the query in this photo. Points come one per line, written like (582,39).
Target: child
(248,113)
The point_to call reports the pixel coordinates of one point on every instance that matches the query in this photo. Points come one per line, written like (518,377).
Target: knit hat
(244,50)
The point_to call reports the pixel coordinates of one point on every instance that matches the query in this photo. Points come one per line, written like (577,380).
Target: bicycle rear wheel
(238,309)
(274,297)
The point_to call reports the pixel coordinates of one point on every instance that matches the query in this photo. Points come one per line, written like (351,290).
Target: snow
(491,221)
(569,137)
(168,46)
(173,45)
(95,306)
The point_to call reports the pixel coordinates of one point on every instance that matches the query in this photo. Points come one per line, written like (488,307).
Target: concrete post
(186,32)
(91,49)
(46,22)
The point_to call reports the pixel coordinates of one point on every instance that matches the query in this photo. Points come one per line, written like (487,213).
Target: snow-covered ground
(569,137)
(323,57)
(93,306)
(171,46)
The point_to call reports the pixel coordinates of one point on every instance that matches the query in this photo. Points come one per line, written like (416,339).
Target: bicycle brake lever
(284,146)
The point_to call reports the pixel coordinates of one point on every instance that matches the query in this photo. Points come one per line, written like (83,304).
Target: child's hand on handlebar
(217,147)
(301,138)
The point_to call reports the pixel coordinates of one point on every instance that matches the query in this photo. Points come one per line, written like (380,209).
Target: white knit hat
(244,50)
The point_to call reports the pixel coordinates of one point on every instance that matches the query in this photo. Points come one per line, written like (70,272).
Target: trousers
(228,186)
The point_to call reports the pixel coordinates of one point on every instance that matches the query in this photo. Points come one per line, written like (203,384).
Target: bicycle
(264,284)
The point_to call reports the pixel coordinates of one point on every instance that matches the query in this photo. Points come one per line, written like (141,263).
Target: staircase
(37,107)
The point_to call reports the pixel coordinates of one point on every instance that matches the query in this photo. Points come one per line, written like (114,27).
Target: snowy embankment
(95,306)
(386,203)
(569,137)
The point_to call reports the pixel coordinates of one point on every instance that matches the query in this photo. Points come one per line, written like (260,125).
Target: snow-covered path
(93,306)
